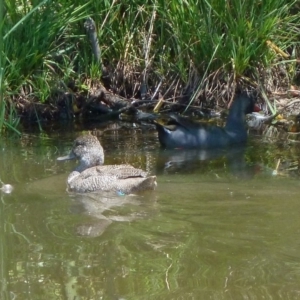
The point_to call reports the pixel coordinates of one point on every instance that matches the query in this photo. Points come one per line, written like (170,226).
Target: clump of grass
(8,119)
(200,49)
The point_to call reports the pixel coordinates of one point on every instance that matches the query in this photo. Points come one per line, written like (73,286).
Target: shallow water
(217,228)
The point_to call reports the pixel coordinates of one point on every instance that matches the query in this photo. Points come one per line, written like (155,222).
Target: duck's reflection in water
(232,160)
(97,210)
(105,208)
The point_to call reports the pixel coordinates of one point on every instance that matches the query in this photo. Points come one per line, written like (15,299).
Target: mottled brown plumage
(92,176)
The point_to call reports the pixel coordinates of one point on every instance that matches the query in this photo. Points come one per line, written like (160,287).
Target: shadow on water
(219,225)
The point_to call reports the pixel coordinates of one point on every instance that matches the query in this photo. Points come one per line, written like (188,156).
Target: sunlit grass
(2,104)
(178,43)
(8,118)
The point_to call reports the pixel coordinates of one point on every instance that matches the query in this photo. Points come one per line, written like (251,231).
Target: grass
(200,48)
(8,118)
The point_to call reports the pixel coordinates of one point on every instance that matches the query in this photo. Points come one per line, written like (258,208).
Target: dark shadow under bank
(102,105)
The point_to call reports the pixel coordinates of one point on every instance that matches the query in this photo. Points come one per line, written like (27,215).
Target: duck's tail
(134,185)
(149,183)
(163,133)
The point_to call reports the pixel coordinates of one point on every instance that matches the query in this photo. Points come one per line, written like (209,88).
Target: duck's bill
(67,157)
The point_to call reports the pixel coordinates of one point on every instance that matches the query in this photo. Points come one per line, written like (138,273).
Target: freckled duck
(92,176)
(183,133)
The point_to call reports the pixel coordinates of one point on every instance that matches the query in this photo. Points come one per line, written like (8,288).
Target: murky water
(222,228)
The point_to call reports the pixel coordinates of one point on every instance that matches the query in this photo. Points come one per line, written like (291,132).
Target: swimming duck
(91,175)
(183,133)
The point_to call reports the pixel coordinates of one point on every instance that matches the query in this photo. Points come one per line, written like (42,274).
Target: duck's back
(124,179)
(201,137)
(120,171)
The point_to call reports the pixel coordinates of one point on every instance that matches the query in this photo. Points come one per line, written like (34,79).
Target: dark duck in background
(184,133)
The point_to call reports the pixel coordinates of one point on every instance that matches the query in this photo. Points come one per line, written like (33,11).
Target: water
(223,228)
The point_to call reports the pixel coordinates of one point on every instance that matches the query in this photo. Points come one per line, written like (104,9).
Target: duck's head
(88,150)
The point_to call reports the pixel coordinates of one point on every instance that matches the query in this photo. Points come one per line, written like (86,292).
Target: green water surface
(222,228)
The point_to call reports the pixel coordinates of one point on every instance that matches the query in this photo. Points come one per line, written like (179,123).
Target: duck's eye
(78,143)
